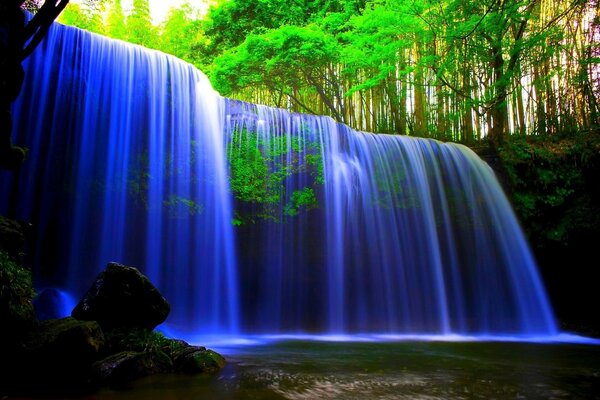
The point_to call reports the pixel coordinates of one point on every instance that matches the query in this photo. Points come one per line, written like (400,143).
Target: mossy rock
(195,360)
(70,338)
(17,316)
(55,358)
(124,367)
(136,340)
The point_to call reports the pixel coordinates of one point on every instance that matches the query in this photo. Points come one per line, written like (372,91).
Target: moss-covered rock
(17,316)
(70,356)
(195,360)
(136,340)
(70,338)
(55,357)
(126,366)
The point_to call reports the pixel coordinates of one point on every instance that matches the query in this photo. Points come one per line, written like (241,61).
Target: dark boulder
(121,297)
(56,358)
(69,340)
(127,366)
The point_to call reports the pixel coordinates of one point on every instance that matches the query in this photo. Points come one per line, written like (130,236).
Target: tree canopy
(455,70)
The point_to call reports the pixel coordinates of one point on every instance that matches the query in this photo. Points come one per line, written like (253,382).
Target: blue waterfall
(251,219)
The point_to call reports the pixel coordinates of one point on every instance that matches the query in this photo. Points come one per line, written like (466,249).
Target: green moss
(16,295)
(553,184)
(138,340)
(210,360)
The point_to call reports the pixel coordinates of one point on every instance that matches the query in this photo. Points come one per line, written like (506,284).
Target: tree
(178,32)
(139,25)
(115,21)
(286,60)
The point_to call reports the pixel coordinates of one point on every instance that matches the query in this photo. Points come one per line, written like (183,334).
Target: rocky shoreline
(109,340)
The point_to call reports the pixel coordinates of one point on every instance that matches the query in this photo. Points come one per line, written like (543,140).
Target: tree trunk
(419,89)
(499,110)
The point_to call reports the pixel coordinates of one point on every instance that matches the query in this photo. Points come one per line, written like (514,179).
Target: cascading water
(135,159)
(127,164)
(412,236)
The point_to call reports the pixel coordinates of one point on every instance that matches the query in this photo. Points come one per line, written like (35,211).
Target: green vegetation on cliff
(16,296)
(553,183)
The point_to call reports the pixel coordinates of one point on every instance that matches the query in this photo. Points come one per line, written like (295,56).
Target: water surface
(392,370)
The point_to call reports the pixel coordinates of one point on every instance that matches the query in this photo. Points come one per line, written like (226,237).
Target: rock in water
(195,360)
(126,366)
(121,297)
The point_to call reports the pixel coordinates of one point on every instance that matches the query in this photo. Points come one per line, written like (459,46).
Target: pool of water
(299,369)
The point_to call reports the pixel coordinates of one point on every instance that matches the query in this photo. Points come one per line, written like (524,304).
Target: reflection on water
(298,370)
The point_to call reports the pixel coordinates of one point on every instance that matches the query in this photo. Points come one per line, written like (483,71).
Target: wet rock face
(123,367)
(108,341)
(67,336)
(197,359)
(56,357)
(121,297)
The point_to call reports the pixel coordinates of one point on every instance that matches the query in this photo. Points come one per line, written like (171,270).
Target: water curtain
(252,219)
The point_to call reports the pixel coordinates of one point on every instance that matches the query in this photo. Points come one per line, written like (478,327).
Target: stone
(56,358)
(72,340)
(189,359)
(17,317)
(122,297)
(127,366)
(196,359)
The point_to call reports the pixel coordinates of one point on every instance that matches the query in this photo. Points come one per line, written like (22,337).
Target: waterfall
(412,235)
(251,219)
(127,164)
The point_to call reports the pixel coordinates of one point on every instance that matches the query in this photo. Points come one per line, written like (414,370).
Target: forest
(454,70)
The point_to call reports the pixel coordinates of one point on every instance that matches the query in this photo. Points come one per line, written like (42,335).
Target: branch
(478,22)
(514,58)
(38,27)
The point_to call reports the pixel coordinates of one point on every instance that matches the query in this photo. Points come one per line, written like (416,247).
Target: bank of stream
(386,370)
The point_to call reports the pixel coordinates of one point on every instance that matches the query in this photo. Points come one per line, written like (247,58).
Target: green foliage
(554,186)
(299,199)
(178,32)
(229,23)
(181,207)
(175,205)
(139,340)
(260,171)
(281,59)
(139,25)
(16,294)
(419,67)
(248,168)
(115,21)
